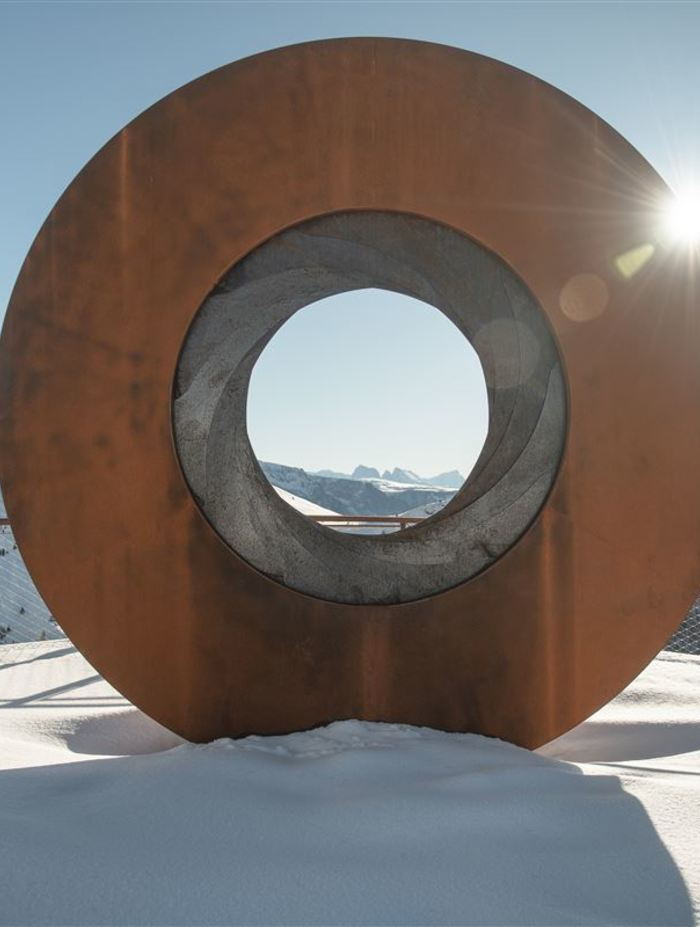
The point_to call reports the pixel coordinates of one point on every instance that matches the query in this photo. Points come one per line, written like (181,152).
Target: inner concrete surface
(487,302)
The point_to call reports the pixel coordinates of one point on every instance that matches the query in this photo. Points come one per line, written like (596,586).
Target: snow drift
(107,818)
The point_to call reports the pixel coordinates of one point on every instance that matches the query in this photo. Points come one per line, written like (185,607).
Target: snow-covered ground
(107,818)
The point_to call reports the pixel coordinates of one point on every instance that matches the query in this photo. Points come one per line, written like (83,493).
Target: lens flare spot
(631,262)
(584,297)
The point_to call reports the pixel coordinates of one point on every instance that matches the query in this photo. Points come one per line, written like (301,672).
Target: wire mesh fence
(687,637)
(24,616)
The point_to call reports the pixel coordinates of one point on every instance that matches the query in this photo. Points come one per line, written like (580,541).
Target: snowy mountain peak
(452,479)
(398,475)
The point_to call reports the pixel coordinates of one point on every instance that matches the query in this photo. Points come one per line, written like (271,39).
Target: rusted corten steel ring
(115,541)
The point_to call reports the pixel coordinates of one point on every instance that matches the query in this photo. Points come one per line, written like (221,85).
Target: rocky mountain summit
(365,473)
(452,479)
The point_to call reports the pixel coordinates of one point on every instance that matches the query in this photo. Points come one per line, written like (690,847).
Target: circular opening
(344,253)
(367,411)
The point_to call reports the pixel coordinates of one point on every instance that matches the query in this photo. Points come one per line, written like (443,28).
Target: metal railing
(374,521)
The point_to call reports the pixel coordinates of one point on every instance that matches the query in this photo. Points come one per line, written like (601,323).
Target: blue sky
(408,391)
(72,74)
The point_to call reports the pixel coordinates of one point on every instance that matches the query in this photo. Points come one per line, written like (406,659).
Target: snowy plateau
(107,818)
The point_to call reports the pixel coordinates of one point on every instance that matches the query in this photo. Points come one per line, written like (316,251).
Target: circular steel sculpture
(411,143)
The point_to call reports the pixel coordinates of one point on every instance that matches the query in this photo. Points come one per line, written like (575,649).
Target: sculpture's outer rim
(146,589)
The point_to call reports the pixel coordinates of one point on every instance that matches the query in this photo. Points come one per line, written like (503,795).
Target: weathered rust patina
(108,528)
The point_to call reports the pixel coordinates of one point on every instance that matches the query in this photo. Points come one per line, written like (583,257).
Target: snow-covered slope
(302,505)
(427,510)
(107,818)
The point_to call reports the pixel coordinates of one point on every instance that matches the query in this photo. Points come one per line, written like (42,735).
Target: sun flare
(682,217)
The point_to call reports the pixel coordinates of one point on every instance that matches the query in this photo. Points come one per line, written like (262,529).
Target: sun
(682,217)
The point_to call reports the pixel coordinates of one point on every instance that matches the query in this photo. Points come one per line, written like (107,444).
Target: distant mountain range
(356,495)
(452,479)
